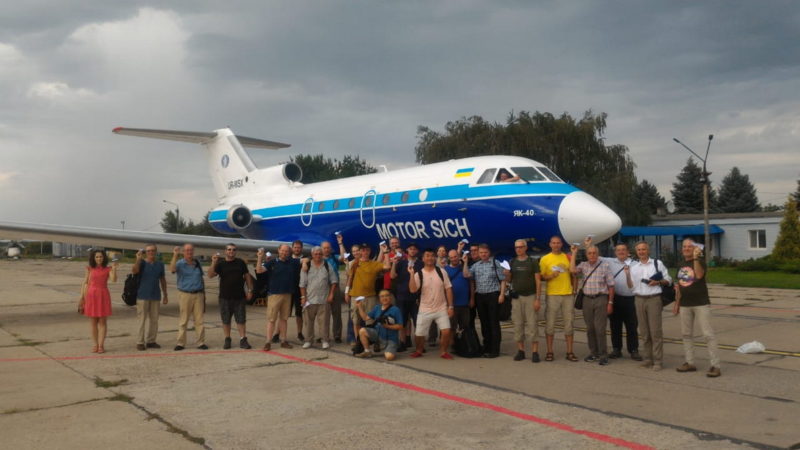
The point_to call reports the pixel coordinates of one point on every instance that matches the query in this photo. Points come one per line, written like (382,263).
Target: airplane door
(306,214)
(368,209)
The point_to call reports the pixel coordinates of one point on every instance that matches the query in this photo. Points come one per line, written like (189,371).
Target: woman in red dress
(95,300)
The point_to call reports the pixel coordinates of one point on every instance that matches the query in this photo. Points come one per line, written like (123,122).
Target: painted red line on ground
(127,355)
(465,401)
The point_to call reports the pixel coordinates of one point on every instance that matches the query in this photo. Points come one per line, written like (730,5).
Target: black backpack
(131,288)
(467,343)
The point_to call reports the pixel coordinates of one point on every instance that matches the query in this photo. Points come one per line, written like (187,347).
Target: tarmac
(54,393)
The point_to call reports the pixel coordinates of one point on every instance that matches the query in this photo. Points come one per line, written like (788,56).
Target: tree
(771,208)
(574,149)
(170,223)
(796,194)
(787,246)
(203,228)
(648,201)
(687,191)
(737,194)
(317,168)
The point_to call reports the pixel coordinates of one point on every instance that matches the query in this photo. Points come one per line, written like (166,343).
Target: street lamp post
(706,173)
(177,215)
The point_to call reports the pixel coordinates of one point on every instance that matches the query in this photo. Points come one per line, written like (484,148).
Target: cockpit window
(528,174)
(487,176)
(549,174)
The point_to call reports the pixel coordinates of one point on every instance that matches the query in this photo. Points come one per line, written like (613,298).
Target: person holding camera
(383,323)
(694,306)
(435,302)
(525,303)
(598,300)
(647,277)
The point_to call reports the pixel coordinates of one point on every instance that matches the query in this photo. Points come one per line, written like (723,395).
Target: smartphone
(465,241)
(382,243)
(337,233)
(700,246)
(466,252)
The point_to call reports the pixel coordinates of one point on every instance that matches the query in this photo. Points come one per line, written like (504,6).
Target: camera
(512,293)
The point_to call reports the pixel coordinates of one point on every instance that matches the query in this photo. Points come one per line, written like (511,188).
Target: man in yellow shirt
(554,269)
(363,275)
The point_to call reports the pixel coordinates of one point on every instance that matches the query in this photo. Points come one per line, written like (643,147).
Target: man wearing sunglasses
(233,275)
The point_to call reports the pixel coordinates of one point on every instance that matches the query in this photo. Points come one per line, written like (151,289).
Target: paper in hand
(505,265)
(360,299)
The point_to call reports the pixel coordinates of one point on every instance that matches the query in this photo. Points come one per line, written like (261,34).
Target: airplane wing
(129,239)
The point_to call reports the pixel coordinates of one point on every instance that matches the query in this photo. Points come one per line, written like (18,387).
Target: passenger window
(549,174)
(487,176)
(368,200)
(351,203)
(404,197)
(307,207)
(385,199)
(336,204)
(321,206)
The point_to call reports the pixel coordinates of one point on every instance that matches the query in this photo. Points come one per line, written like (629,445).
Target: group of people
(433,294)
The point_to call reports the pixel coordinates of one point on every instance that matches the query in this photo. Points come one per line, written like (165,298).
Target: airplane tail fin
(228,162)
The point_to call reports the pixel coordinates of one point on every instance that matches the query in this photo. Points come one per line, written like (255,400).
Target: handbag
(668,291)
(579,296)
(467,344)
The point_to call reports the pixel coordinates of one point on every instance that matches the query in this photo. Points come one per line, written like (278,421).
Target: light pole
(177,215)
(706,173)
(123,224)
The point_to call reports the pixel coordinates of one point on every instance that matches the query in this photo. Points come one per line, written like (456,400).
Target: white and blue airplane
(434,204)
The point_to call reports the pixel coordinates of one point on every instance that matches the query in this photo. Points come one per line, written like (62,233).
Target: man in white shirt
(646,281)
(624,305)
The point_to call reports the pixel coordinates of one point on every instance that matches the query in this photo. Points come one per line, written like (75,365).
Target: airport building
(734,236)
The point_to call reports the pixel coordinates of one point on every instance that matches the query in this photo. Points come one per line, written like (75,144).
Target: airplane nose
(580,215)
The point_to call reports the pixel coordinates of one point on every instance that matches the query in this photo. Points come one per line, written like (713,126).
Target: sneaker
(244,344)
(617,353)
(153,345)
(178,348)
(202,347)
(636,356)
(338,340)
(267,346)
(140,347)
(535,357)
(657,367)
(276,338)
(446,355)
(713,372)
(519,356)
(416,354)
(286,344)
(325,345)
(590,358)
(364,354)
(603,361)
(227,343)
(300,337)
(307,345)
(686,367)
(319,340)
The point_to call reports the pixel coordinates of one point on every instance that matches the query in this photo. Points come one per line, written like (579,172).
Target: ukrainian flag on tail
(461,173)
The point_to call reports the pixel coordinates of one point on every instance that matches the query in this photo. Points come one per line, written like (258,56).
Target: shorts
(232,308)
(424,321)
(278,307)
(369,305)
(386,346)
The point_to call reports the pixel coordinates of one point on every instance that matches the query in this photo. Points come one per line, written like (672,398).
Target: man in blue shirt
(463,293)
(283,272)
(191,295)
(383,325)
(148,297)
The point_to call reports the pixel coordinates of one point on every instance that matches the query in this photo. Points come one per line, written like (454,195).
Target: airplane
(433,204)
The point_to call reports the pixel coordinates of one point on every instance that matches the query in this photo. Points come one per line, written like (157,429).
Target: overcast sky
(359,77)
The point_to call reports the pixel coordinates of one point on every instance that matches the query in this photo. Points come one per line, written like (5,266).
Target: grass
(733,277)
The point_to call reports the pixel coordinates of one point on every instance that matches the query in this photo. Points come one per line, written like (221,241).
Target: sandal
(101,349)
(548,357)
(94,349)
(572,357)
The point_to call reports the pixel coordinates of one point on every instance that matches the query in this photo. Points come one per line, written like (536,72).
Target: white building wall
(734,243)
